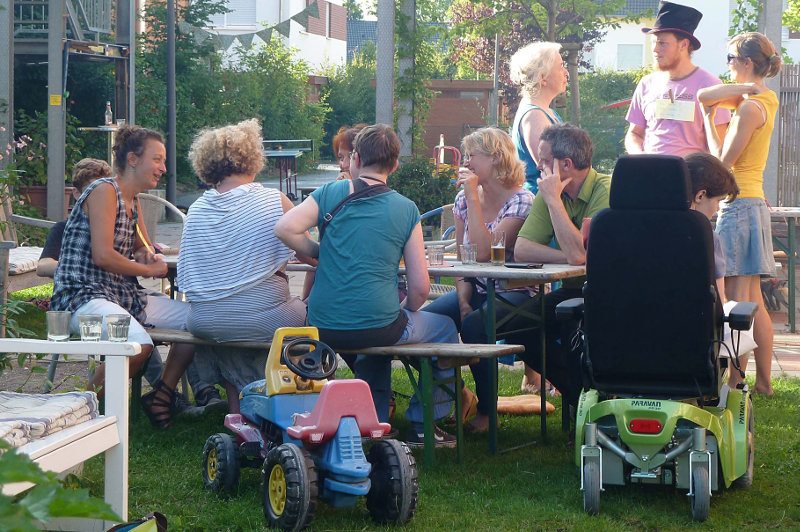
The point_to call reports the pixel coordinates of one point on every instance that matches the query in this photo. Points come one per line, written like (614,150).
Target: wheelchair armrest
(741,316)
(571,309)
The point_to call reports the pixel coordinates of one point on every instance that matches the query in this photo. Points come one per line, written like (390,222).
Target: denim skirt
(746,235)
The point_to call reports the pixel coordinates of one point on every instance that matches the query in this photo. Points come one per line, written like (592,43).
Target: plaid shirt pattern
(78,280)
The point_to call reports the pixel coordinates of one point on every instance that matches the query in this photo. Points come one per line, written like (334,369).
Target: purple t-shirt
(669,112)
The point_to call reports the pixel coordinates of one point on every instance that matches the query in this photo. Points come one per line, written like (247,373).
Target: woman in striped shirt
(231,266)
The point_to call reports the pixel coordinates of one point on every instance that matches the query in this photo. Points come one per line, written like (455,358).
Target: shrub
(418,181)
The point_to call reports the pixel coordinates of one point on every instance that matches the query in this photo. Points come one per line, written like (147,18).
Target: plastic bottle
(109,115)
(441,148)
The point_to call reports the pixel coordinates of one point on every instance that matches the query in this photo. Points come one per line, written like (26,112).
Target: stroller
(652,411)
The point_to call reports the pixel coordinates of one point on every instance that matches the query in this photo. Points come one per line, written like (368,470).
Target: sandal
(161,418)
(471,410)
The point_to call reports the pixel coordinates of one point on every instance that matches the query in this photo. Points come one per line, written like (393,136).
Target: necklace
(371,178)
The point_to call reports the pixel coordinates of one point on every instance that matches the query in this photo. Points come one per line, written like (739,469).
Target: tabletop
(784,212)
(282,153)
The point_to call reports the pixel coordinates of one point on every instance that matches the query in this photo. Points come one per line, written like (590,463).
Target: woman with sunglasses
(744,223)
(105,249)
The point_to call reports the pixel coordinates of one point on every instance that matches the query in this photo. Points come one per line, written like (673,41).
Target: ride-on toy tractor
(306,433)
(653,409)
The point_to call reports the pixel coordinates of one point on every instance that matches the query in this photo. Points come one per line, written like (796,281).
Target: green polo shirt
(592,198)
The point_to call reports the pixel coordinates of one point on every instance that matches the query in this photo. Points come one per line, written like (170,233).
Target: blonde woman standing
(744,223)
(539,71)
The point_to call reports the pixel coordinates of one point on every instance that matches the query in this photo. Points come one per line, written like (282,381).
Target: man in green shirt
(570,190)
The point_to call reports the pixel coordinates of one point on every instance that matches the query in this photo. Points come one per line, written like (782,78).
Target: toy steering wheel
(318,364)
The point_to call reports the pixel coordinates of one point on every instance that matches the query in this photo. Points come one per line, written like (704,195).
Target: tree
(791,17)
(519,22)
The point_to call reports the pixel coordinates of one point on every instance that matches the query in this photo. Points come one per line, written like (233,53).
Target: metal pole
(56,111)
(171,131)
(494,101)
(384,68)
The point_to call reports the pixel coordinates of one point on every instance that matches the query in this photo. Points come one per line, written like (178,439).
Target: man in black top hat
(665,116)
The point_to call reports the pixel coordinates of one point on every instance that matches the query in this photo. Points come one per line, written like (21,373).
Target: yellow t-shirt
(749,167)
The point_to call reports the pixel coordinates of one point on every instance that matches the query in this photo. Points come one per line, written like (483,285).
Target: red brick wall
(316,26)
(454,115)
(338,22)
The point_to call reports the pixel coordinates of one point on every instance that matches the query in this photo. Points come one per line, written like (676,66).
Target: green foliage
(29,152)
(744,17)
(350,96)
(606,127)
(418,182)
(48,499)
(791,17)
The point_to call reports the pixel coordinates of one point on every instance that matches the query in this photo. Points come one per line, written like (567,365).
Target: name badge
(678,110)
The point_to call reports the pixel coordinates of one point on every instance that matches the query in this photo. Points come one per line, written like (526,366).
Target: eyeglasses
(731,57)
(352,155)
(468,156)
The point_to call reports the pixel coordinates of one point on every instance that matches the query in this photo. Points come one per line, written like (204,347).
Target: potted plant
(27,171)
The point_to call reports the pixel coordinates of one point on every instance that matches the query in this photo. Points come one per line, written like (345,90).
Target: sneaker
(179,403)
(206,395)
(441,438)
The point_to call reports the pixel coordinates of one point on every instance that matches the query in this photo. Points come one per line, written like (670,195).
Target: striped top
(78,279)
(228,242)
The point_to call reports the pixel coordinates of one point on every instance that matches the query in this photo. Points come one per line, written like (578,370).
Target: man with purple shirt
(665,115)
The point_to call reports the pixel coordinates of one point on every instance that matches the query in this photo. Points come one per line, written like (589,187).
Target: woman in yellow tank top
(744,223)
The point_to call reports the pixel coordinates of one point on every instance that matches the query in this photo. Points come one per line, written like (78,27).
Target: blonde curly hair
(531,64)
(233,149)
(508,170)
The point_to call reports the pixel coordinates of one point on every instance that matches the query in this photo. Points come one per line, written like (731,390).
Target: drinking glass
(91,326)
(469,254)
(435,255)
(498,248)
(58,325)
(120,122)
(117,325)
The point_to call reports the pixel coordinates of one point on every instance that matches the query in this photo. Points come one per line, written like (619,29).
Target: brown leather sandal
(160,419)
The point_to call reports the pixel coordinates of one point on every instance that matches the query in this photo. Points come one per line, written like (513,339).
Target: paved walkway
(786,351)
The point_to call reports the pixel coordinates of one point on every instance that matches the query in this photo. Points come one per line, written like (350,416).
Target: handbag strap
(366,192)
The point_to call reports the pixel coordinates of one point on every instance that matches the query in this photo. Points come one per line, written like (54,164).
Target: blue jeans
(473,331)
(422,327)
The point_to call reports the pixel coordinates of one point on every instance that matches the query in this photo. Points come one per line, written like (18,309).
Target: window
(629,56)
(242,13)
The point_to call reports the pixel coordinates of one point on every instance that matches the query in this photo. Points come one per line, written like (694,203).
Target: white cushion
(23,259)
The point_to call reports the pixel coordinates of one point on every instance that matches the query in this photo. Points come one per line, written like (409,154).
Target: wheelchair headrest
(650,182)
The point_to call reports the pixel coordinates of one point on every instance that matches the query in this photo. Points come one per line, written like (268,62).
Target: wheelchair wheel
(591,488)
(220,463)
(701,499)
(747,479)
(392,498)
(289,487)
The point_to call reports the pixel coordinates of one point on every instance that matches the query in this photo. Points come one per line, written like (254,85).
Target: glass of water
(117,326)
(58,325)
(91,326)
(469,254)
(435,255)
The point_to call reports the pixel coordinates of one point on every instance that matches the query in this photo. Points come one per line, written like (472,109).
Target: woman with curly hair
(95,273)
(231,266)
(493,199)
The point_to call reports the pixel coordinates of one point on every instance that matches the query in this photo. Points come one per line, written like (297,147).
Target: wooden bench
(449,355)
(107,434)
(17,264)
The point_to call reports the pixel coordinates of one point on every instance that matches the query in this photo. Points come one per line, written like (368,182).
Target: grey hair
(569,142)
(532,63)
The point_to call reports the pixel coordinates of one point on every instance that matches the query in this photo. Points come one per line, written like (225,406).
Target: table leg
(543,383)
(457,411)
(426,398)
(791,273)
(491,338)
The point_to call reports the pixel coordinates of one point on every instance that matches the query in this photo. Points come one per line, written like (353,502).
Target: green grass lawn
(534,488)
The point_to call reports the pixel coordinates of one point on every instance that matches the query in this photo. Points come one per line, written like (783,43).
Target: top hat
(676,18)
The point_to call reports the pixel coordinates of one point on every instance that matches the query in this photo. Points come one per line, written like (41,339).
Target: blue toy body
(306,434)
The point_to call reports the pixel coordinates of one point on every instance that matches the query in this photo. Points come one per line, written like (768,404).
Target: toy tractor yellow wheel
(701,499)
(289,487)
(747,479)
(392,497)
(220,463)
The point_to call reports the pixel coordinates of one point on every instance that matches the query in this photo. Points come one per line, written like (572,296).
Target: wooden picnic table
(548,273)
(789,215)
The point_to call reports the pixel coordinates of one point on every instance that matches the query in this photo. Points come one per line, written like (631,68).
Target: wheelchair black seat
(652,315)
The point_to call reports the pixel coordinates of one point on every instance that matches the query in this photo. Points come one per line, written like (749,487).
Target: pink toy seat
(338,399)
